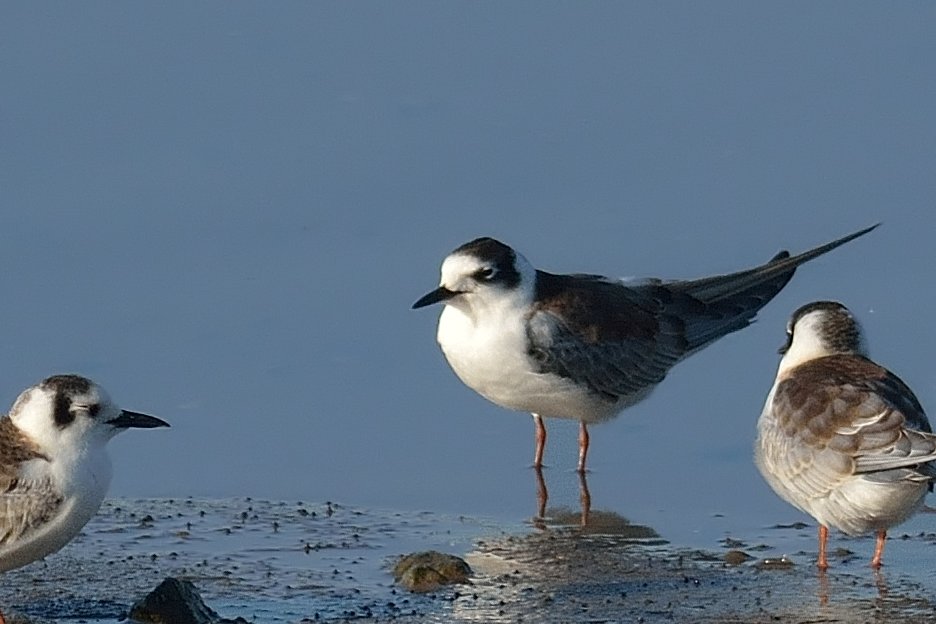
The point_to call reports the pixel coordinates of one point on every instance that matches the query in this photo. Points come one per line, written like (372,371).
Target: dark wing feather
(732,301)
(617,340)
(770,276)
(622,338)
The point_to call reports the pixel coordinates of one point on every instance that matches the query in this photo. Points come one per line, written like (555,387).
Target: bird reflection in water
(542,496)
(586,520)
(843,608)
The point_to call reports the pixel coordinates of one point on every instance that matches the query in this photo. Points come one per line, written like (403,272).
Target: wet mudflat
(304,562)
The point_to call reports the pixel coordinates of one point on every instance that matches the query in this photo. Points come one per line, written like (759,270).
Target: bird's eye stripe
(62,414)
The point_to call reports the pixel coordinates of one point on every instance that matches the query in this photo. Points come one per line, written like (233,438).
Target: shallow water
(294,561)
(267,561)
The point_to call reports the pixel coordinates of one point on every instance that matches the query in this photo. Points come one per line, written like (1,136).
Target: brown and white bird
(54,467)
(585,347)
(842,438)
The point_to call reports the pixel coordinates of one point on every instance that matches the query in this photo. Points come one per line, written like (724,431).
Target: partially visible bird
(585,346)
(842,438)
(54,467)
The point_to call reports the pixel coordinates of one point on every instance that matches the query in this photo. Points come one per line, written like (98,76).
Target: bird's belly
(496,366)
(860,505)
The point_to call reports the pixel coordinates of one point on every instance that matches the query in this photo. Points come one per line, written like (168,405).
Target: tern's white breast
(489,354)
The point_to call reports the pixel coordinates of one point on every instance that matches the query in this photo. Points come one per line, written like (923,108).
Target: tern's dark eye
(93,409)
(485,273)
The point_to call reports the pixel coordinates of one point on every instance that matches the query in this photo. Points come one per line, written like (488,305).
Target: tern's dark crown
(498,255)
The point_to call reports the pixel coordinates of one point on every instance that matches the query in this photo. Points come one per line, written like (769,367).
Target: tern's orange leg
(822,563)
(879,549)
(583,445)
(540,441)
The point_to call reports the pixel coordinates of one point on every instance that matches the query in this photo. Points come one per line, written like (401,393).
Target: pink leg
(583,446)
(823,564)
(879,549)
(540,441)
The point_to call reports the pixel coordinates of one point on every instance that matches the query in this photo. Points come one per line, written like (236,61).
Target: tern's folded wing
(848,406)
(24,506)
(26,501)
(618,341)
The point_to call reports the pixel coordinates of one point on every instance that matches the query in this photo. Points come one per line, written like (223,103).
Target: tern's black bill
(439,294)
(136,420)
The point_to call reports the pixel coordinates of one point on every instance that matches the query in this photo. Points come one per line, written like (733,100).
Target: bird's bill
(439,294)
(136,420)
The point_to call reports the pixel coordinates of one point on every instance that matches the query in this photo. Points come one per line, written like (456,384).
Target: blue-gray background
(223,212)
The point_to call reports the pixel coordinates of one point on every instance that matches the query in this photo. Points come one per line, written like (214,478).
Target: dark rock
(176,602)
(427,571)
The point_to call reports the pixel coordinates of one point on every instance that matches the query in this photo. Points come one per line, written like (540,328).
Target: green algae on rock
(429,570)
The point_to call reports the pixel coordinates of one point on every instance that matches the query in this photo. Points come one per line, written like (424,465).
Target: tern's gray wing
(848,415)
(621,338)
(24,503)
(616,340)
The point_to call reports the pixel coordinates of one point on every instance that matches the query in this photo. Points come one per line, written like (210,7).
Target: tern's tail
(733,300)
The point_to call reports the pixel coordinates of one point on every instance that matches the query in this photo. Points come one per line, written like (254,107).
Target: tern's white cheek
(458,271)
(807,343)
